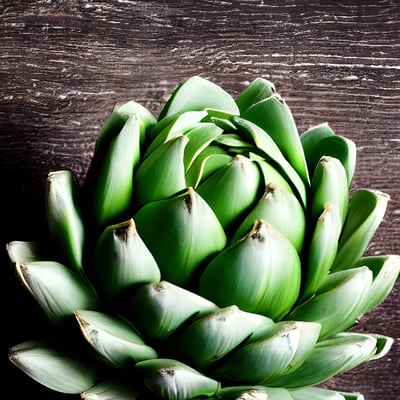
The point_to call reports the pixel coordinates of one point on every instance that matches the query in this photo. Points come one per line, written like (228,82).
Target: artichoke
(212,252)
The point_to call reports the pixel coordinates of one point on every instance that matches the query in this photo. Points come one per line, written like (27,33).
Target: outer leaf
(210,160)
(284,347)
(58,289)
(270,173)
(253,393)
(260,273)
(311,137)
(52,368)
(108,186)
(186,224)
(270,393)
(122,260)
(385,271)
(174,380)
(200,136)
(315,393)
(274,116)
(119,117)
(338,302)
(171,127)
(162,173)
(321,141)
(64,217)
(111,389)
(329,184)
(159,309)
(258,90)
(21,252)
(329,357)
(208,95)
(366,211)
(113,339)
(219,333)
(269,150)
(383,346)
(232,190)
(282,210)
(221,119)
(233,142)
(322,249)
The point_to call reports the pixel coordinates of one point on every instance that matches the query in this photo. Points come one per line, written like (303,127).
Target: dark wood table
(64,64)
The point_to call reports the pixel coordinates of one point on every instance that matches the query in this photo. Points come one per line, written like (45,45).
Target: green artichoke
(212,252)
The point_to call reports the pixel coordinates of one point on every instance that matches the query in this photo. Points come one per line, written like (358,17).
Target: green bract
(210,253)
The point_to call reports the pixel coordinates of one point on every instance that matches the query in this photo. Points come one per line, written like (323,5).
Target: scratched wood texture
(64,64)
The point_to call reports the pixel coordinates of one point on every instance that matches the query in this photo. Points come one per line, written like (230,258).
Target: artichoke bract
(212,252)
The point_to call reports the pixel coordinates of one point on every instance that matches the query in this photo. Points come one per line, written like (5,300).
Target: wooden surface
(64,64)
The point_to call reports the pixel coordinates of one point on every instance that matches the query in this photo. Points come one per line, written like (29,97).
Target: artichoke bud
(338,302)
(122,260)
(322,249)
(321,141)
(185,223)
(208,95)
(111,389)
(219,333)
(259,273)
(274,117)
(284,347)
(113,339)
(174,380)
(329,357)
(53,368)
(329,184)
(58,289)
(282,210)
(258,90)
(64,217)
(108,186)
(231,190)
(385,270)
(159,309)
(366,211)
(162,173)
(226,250)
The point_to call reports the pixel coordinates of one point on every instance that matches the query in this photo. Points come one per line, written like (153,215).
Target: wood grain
(64,64)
